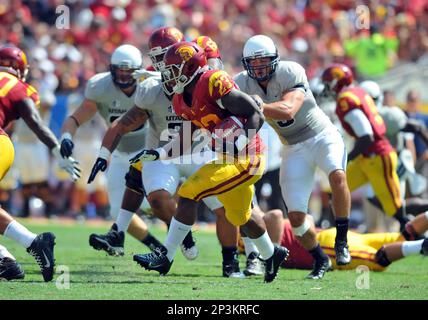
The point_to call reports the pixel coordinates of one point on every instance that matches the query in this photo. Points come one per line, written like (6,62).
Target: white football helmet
(124,61)
(374,91)
(260,46)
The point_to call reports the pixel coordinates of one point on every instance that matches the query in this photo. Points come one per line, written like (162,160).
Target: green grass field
(94,275)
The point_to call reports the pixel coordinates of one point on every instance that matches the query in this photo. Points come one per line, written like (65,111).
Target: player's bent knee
(134,180)
(237,218)
(381,258)
(302,229)
(338,178)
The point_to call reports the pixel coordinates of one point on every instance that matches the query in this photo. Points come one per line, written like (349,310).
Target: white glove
(143,74)
(68,164)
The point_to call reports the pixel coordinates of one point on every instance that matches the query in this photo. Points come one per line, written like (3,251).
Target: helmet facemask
(122,75)
(156,56)
(269,67)
(173,79)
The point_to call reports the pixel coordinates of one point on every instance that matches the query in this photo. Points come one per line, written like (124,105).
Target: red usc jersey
(357,98)
(209,46)
(13,90)
(204,111)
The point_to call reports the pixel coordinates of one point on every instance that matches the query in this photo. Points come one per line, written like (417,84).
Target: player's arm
(288,106)
(175,148)
(84,113)
(243,105)
(216,63)
(28,112)
(129,121)
(362,129)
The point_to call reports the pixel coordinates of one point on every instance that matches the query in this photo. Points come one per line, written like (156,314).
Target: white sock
(176,234)
(19,233)
(411,247)
(265,246)
(5,254)
(124,219)
(249,246)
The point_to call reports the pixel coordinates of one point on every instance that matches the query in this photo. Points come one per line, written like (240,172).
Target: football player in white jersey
(112,94)
(310,141)
(160,179)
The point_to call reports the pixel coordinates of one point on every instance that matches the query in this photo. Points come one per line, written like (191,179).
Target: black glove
(100,164)
(66,148)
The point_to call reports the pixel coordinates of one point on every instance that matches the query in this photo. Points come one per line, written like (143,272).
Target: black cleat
(280,254)
(254,266)
(231,269)
(156,260)
(112,242)
(42,249)
(424,249)
(320,268)
(10,269)
(343,256)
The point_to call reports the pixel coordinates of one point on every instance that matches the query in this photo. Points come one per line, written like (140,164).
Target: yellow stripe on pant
(7,154)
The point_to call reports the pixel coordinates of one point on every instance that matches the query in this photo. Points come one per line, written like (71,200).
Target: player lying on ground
(374,250)
(19,100)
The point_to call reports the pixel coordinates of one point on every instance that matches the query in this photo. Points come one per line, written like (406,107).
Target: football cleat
(280,254)
(231,269)
(320,268)
(42,249)
(156,260)
(10,269)
(343,257)
(112,242)
(254,266)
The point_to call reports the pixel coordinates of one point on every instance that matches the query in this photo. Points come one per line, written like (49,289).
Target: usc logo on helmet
(186,52)
(337,73)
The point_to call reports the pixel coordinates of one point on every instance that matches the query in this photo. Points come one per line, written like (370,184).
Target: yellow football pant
(362,247)
(232,183)
(380,172)
(7,154)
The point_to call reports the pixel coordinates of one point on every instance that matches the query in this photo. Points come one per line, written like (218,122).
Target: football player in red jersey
(372,160)
(18,100)
(161,200)
(206,98)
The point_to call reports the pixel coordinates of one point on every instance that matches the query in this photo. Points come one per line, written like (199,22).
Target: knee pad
(381,258)
(134,181)
(238,218)
(300,231)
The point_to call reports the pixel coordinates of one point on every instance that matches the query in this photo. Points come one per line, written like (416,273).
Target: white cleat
(190,253)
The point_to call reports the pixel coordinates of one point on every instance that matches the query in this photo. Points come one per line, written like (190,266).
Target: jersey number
(7,83)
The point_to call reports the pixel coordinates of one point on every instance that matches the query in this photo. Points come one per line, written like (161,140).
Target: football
(226,131)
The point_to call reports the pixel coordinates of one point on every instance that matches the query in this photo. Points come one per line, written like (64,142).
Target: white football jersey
(112,103)
(309,120)
(162,117)
(395,119)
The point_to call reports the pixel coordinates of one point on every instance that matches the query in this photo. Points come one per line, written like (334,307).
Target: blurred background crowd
(375,38)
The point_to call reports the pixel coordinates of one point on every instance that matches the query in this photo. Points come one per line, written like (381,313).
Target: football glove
(68,164)
(100,164)
(67,145)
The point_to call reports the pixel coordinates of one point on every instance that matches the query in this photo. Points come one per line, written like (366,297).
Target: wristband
(104,153)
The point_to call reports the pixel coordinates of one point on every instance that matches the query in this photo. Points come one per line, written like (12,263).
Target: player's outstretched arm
(417,127)
(129,121)
(31,116)
(84,113)
(288,106)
